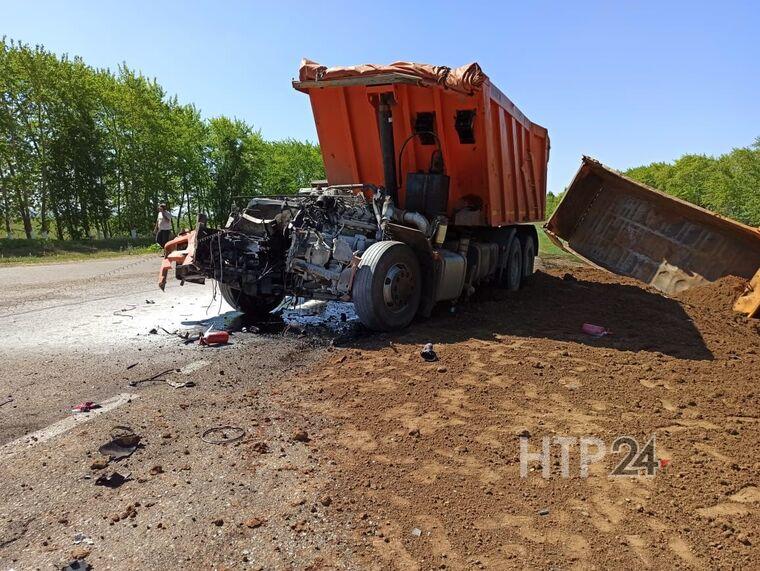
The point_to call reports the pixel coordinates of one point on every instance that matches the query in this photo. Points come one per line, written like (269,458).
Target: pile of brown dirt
(719,295)
(426,456)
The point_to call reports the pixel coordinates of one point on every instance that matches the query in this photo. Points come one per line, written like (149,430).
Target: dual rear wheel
(387,286)
(521,255)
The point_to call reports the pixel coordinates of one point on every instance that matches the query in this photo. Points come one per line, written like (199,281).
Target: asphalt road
(81,332)
(69,332)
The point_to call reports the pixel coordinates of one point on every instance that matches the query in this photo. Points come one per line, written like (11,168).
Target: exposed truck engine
(475,177)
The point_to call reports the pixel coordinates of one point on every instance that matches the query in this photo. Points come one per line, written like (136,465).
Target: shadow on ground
(554,307)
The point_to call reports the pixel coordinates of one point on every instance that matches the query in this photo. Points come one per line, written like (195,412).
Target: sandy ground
(428,453)
(363,455)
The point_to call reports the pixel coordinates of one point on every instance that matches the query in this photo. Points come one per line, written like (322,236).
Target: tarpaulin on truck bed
(466,79)
(631,229)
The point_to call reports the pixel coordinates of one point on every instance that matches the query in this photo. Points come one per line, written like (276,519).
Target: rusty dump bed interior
(634,230)
(493,154)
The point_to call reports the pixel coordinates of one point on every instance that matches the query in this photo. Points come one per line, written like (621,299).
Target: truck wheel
(528,256)
(256,308)
(387,286)
(513,272)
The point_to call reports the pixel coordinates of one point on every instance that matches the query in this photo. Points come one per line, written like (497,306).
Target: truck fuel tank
(453,269)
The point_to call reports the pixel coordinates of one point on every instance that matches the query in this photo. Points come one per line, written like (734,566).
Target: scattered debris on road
(123,443)
(223,435)
(300,435)
(215,338)
(79,553)
(178,385)
(157,379)
(86,406)
(260,448)
(428,353)
(123,311)
(80,538)
(113,480)
(370,409)
(77,565)
(100,463)
(154,378)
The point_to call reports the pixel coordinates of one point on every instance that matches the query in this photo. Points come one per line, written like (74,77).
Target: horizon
(704,103)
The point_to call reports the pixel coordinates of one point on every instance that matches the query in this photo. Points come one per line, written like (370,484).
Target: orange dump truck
(434,178)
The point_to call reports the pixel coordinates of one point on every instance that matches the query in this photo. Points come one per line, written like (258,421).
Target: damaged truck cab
(434,180)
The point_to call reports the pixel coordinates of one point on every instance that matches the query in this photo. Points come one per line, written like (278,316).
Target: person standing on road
(163,227)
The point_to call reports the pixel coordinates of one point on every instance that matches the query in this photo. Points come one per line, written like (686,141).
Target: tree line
(90,152)
(728,184)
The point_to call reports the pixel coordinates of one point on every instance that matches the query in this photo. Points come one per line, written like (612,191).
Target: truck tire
(387,287)
(256,308)
(513,272)
(528,256)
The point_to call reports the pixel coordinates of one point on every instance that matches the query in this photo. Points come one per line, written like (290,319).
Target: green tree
(86,152)
(232,147)
(291,165)
(728,184)
(552,201)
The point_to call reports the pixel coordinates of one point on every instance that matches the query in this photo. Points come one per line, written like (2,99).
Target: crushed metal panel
(631,229)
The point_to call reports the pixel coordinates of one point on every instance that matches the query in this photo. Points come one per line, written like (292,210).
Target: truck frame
(434,181)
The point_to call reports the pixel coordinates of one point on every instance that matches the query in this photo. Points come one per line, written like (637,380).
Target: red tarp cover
(466,79)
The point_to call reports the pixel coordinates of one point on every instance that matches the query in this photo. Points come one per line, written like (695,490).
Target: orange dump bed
(491,151)
(634,230)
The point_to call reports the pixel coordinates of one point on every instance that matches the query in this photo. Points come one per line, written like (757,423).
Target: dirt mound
(428,454)
(719,295)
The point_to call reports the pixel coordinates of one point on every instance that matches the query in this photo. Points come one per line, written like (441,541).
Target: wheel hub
(398,287)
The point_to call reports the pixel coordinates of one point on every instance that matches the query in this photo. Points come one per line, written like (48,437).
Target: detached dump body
(634,230)
(493,154)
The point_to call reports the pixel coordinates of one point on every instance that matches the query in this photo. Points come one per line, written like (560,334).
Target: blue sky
(626,82)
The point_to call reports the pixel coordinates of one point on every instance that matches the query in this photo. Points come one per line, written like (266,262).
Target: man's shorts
(163,236)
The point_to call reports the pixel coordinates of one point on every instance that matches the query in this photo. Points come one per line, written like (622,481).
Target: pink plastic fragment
(86,406)
(595,330)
